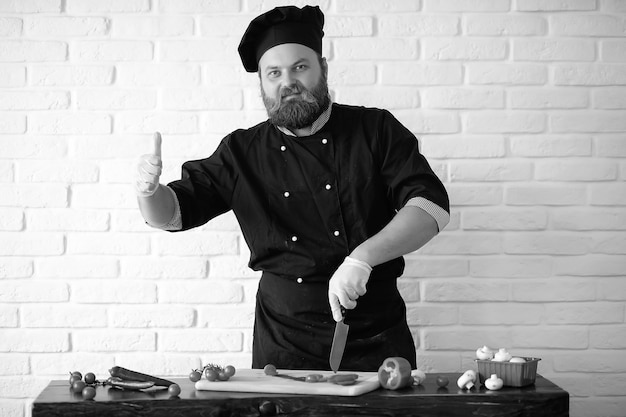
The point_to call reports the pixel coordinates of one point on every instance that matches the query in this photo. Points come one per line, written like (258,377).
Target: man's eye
(273,74)
(301,67)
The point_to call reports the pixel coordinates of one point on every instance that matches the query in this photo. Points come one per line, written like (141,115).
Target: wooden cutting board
(255,380)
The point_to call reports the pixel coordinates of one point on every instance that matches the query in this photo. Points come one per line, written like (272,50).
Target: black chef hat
(287,24)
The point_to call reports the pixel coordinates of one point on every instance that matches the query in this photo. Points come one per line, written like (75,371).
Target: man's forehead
(286,54)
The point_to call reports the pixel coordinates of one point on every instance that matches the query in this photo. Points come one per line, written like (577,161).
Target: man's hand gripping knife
(347,284)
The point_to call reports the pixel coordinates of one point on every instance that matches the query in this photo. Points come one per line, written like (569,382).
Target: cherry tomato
(73,379)
(88,393)
(78,374)
(195,376)
(173,390)
(270,369)
(442,381)
(229,371)
(221,376)
(78,386)
(210,374)
(90,378)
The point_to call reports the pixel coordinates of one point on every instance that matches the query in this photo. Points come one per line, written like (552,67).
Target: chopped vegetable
(314,378)
(395,373)
(343,379)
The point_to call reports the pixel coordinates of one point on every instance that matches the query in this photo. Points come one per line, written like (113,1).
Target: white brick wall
(519,105)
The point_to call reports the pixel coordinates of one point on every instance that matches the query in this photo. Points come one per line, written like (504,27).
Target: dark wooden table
(541,399)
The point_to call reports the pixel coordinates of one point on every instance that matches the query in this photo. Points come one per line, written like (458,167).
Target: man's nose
(288,79)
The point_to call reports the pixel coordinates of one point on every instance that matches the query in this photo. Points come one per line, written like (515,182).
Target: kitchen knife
(339,343)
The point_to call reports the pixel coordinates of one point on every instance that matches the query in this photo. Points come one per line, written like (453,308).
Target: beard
(299,110)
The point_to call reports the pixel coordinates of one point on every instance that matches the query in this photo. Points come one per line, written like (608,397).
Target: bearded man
(329,198)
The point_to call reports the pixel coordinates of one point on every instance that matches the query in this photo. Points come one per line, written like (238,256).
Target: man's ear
(325,67)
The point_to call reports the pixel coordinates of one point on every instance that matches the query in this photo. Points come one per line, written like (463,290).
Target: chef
(329,198)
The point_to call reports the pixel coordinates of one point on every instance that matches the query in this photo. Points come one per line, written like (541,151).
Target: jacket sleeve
(409,177)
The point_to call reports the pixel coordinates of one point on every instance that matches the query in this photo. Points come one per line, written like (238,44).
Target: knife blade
(339,343)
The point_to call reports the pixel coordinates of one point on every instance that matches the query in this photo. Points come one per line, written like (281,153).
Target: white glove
(149,168)
(347,284)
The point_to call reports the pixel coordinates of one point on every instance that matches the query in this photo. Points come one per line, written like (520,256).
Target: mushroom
(466,381)
(502,355)
(484,353)
(494,383)
(418,376)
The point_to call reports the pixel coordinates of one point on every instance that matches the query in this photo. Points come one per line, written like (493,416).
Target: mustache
(297,88)
(305,95)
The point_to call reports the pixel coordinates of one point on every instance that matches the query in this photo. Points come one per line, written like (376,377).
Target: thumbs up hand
(149,168)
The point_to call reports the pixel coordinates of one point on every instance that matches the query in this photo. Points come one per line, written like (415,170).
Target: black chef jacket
(303,204)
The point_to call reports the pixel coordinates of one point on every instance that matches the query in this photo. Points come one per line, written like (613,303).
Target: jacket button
(295,238)
(299,280)
(336,233)
(283,148)
(324,141)
(328,186)
(286,194)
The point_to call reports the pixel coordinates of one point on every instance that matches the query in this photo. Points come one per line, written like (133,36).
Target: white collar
(315,126)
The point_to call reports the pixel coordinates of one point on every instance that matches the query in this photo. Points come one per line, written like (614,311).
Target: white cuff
(359,264)
(176,222)
(441,216)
